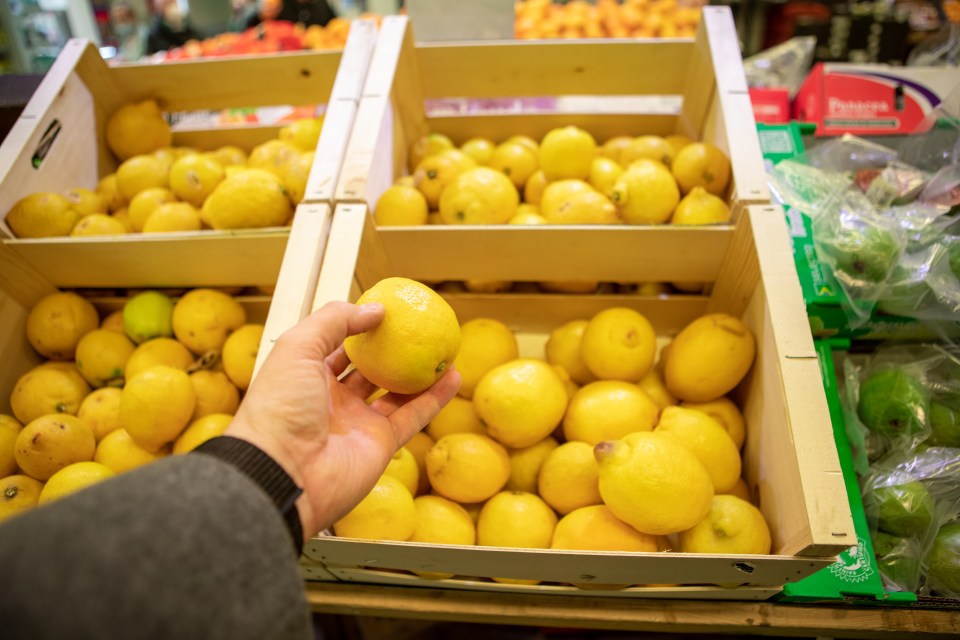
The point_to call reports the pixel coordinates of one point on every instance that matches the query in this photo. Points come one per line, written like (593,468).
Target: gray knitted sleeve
(188,547)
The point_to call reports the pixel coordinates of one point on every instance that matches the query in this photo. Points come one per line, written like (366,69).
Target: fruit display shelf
(790,461)
(59,143)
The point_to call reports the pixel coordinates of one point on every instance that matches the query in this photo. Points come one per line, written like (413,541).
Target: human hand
(319,428)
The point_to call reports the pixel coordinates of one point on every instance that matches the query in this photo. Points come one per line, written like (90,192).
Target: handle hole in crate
(46,142)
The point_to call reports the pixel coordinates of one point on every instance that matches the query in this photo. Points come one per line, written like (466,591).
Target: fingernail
(371,306)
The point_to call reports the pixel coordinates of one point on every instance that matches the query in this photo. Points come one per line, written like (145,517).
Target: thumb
(326,328)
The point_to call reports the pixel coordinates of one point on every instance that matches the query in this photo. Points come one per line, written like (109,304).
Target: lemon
(467,467)
(18,494)
(252,198)
(479,196)
(151,353)
(480,149)
(567,153)
(677,142)
(516,519)
(46,389)
(701,164)
(613,148)
(419,445)
(167,156)
(516,161)
(140,173)
(740,490)
(555,194)
(137,128)
(416,342)
(57,322)
(42,215)
(295,180)
(432,175)
(652,384)
(85,201)
(709,357)
(458,416)
(608,410)
(441,521)
(9,430)
(570,286)
(119,453)
(645,193)
(708,440)
(101,411)
(193,177)
(521,401)
(148,314)
(98,224)
(273,156)
(304,134)
(157,405)
(145,203)
(724,411)
(526,141)
(229,155)
(595,528)
(428,145)
(533,189)
(568,384)
(618,344)
(403,467)
(582,207)
(604,173)
(733,526)
(215,393)
(109,193)
(200,430)
(386,513)
(102,356)
(51,442)
(487,286)
(525,465)
(121,216)
(569,477)
(653,483)
(647,148)
(72,479)
(401,206)
(203,318)
(526,217)
(484,344)
(240,354)
(563,349)
(701,207)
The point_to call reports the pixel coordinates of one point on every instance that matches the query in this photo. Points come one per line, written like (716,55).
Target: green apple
(903,510)
(944,425)
(943,562)
(953,250)
(908,293)
(898,559)
(863,253)
(893,403)
(148,315)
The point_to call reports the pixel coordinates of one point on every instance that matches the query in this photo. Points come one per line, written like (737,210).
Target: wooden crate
(790,463)
(609,87)
(81,91)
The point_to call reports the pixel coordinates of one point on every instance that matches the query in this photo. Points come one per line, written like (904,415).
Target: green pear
(898,559)
(903,510)
(944,425)
(148,315)
(893,403)
(943,562)
(863,253)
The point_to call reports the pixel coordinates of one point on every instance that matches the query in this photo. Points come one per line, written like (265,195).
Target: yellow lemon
(173,216)
(200,430)
(740,490)
(525,465)
(647,148)
(18,494)
(167,156)
(526,217)
(701,164)
(137,128)
(479,196)
(480,149)
(57,322)
(101,411)
(432,175)
(645,193)
(229,155)
(157,405)
(653,483)
(460,160)
(569,477)
(109,193)
(193,177)
(9,430)
(47,389)
(608,410)
(140,173)
(567,153)
(121,216)
(42,215)
(98,224)
(215,393)
(403,467)
(571,386)
(709,357)
(526,141)
(240,354)
(401,206)
(484,344)
(580,207)
(521,401)
(613,148)
(165,351)
(677,142)
(428,145)
(51,442)
(203,318)
(85,201)
(419,445)
(708,440)
(386,513)
(733,526)
(274,156)
(563,349)
(442,521)
(701,207)
(72,479)
(724,411)
(604,173)
(595,528)
(516,519)
(119,453)
(516,161)
(416,342)
(618,344)
(652,384)
(487,286)
(467,467)
(102,356)
(295,180)
(145,203)
(555,194)
(252,198)
(533,189)
(458,416)
(304,134)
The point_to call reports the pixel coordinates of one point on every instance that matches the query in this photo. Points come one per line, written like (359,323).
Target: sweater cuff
(266,473)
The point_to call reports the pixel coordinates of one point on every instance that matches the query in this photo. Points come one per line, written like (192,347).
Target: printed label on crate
(855,564)
(493,106)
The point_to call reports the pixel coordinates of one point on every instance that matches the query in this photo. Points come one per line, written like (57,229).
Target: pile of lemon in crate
(160,188)
(155,378)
